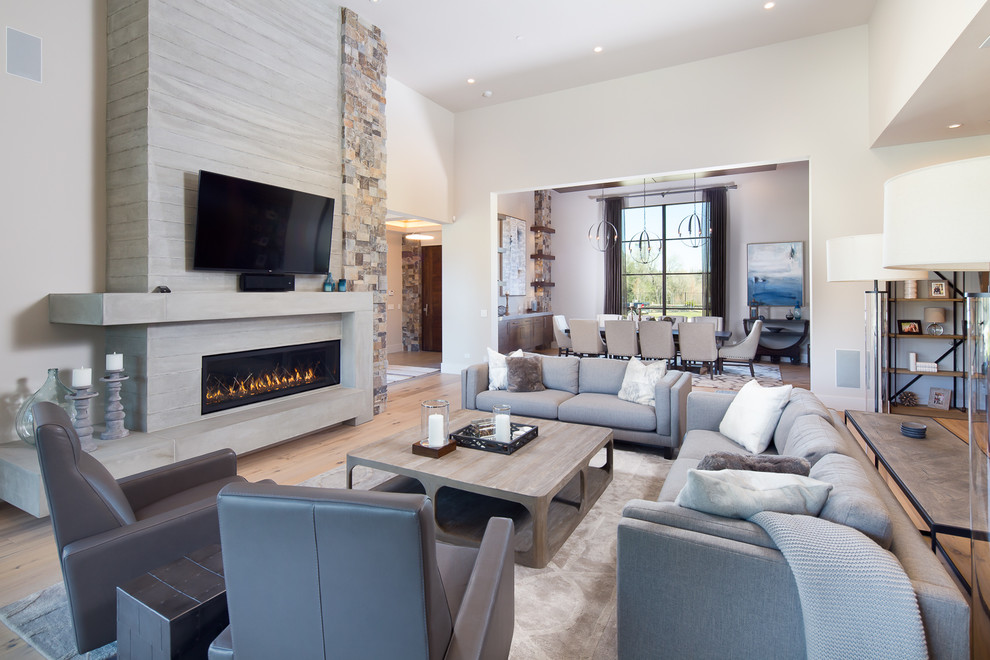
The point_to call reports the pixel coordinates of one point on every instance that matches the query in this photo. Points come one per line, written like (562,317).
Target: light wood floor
(28,559)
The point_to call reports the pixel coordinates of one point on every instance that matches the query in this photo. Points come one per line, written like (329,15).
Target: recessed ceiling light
(487,93)
(471,81)
(598,49)
(769,5)
(954,126)
(419,237)
(519,37)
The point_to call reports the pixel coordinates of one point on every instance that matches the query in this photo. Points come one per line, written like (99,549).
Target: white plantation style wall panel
(243,88)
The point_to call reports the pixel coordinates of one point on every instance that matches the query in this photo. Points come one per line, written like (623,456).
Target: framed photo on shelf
(909,327)
(939,397)
(938,289)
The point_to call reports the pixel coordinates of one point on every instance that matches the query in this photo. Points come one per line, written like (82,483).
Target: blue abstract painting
(775,274)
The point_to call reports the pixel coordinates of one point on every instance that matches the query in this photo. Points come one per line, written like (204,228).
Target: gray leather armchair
(319,573)
(109,531)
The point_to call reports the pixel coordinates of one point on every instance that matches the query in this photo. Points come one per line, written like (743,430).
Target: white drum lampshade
(938,217)
(860,259)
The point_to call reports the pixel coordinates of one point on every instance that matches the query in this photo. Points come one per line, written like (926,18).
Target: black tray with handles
(480,434)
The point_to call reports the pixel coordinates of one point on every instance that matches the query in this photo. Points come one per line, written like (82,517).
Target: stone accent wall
(238,87)
(412,287)
(543,268)
(363,71)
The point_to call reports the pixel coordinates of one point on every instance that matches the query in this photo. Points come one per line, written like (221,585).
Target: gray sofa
(691,584)
(585,391)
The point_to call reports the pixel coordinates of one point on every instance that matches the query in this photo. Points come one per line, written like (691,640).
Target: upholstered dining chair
(744,351)
(717,320)
(586,338)
(675,320)
(358,574)
(656,340)
(606,317)
(109,531)
(620,338)
(697,345)
(560,335)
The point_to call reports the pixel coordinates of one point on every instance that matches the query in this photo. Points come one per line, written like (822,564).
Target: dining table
(720,335)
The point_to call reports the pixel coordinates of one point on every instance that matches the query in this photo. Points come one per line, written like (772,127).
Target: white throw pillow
(498,369)
(752,416)
(640,382)
(742,493)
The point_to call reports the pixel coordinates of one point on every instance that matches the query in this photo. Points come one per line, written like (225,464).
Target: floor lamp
(939,218)
(859,259)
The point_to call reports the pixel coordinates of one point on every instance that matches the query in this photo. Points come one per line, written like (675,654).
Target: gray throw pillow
(723,460)
(854,501)
(525,374)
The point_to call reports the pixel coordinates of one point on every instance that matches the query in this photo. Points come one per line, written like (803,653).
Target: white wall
(420,143)
(393,298)
(907,40)
(800,100)
(53,190)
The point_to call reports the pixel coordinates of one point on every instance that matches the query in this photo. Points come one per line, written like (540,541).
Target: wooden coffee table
(546,487)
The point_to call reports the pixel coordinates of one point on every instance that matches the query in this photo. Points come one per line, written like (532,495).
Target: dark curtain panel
(613,259)
(718,222)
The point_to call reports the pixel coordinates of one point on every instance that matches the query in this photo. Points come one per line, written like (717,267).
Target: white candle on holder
(503,425)
(115,362)
(436,438)
(82,377)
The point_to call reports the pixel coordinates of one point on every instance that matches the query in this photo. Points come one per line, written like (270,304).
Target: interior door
(431,295)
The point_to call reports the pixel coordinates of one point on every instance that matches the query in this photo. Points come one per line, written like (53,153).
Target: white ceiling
(521,48)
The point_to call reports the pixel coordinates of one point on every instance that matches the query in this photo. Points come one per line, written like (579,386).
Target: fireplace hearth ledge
(243,429)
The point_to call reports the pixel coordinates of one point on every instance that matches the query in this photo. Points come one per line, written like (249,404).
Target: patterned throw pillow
(640,382)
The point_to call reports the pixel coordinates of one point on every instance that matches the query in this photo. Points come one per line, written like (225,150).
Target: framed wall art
(909,327)
(938,289)
(940,398)
(775,274)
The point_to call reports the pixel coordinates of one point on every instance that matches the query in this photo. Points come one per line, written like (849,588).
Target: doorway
(432,299)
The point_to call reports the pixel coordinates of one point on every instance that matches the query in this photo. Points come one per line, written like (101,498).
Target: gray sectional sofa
(585,391)
(692,584)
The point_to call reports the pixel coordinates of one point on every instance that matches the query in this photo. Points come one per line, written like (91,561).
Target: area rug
(734,376)
(566,610)
(398,372)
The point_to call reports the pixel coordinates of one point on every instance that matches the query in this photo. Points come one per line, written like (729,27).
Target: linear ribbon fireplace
(237,379)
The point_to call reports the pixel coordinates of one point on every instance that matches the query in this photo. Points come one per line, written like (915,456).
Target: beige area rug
(734,376)
(565,611)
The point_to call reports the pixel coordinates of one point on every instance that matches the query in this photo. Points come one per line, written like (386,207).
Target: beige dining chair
(697,345)
(675,320)
(717,320)
(607,317)
(744,351)
(620,337)
(586,339)
(560,335)
(656,340)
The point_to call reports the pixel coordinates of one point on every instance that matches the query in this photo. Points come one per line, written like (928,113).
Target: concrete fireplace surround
(163,338)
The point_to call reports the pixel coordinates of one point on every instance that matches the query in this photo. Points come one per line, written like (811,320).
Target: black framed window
(677,281)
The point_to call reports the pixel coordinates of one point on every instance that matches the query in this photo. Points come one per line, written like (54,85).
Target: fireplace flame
(279,378)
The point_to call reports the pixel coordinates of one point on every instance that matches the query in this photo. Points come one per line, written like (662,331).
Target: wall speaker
(23,55)
(847,368)
(267,282)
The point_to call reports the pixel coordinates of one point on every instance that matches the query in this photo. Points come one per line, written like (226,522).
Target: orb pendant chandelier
(603,234)
(695,229)
(645,246)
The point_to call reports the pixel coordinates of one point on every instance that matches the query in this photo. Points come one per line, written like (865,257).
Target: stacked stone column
(363,71)
(541,267)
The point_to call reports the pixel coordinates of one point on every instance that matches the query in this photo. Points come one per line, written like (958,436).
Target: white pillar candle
(435,438)
(82,377)
(115,362)
(503,429)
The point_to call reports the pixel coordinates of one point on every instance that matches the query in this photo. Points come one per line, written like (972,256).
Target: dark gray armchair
(109,531)
(320,573)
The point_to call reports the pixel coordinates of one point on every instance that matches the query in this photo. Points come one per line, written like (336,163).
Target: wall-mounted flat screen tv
(255,227)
